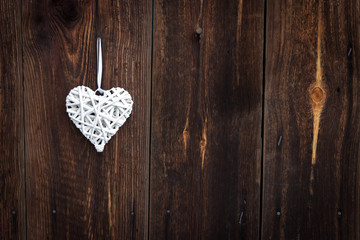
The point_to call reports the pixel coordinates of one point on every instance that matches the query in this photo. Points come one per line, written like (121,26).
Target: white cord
(99,65)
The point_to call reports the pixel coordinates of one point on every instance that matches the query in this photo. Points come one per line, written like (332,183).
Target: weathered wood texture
(206,119)
(312,120)
(73,192)
(207,105)
(12,189)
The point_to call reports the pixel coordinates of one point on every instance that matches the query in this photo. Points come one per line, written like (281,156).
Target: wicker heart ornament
(98,117)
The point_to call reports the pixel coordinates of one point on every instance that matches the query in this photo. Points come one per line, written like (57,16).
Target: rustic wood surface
(206,119)
(312,121)
(216,148)
(12,182)
(73,192)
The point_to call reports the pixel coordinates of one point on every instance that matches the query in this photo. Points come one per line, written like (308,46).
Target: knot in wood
(317,94)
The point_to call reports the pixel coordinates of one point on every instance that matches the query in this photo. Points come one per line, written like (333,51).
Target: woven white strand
(98,117)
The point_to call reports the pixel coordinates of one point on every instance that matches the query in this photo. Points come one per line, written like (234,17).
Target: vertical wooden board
(12,189)
(312,121)
(206,119)
(73,192)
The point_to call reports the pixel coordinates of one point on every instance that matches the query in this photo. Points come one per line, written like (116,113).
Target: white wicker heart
(98,117)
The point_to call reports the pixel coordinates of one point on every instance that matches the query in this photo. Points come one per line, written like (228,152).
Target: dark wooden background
(246,120)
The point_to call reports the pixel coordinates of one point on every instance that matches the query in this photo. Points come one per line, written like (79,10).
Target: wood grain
(73,192)
(206,119)
(12,182)
(312,121)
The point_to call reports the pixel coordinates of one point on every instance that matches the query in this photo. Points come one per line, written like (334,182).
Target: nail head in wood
(199,32)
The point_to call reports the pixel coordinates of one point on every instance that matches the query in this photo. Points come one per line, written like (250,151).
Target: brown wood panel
(312,120)
(12,182)
(206,119)
(73,192)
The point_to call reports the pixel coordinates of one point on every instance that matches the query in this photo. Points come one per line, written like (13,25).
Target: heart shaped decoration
(98,117)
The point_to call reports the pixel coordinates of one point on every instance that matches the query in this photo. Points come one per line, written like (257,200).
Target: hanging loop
(99,66)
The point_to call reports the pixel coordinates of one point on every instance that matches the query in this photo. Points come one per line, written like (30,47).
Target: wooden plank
(73,192)
(12,182)
(206,119)
(312,120)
